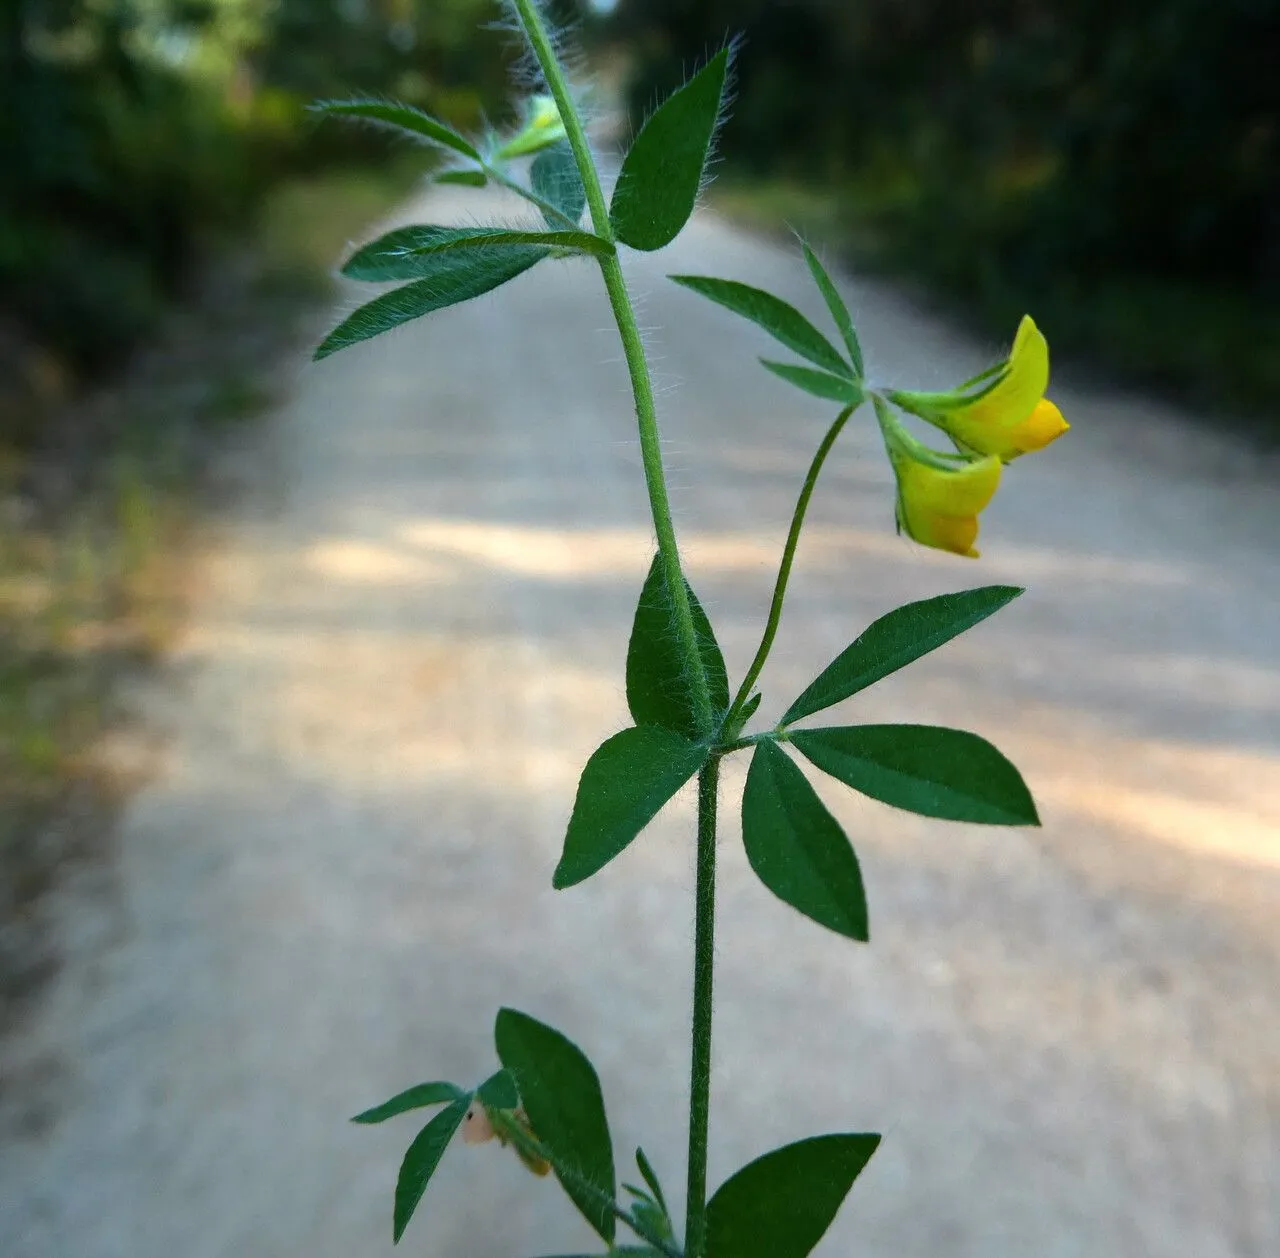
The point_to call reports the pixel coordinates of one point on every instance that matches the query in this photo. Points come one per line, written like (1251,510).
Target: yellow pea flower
(939,506)
(939,496)
(1010,415)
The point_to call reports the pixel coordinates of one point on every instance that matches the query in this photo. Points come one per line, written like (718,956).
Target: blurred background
(1092,1013)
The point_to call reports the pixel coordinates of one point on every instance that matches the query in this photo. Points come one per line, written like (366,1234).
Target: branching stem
(784,570)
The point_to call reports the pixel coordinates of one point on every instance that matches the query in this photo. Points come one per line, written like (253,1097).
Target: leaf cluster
(657,189)
(778,1206)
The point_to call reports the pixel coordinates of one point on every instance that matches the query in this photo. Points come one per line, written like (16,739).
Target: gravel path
(410,642)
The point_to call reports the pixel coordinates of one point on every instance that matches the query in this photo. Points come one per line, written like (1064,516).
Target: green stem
(664,528)
(695,1228)
(784,569)
(511,1130)
(558,85)
(637,365)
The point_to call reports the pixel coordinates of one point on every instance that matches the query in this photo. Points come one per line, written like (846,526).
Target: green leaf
(498,1091)
(658,691)
(561,1095)
(456,277)
(835,304)
(662,172)
(627,780)
(821,384)
(780,1205)
(554,177)
(651,1178)
(418,1097)
(421,1160)
(406,119)
(782,321)
(466,178)
(925,769)
(797,847)
(410,253)
(895,640)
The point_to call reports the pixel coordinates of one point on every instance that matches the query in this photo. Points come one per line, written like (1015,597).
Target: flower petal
(939,507)
(985,424)
(1043,425)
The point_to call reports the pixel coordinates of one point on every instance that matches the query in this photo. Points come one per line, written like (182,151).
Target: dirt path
(412,640)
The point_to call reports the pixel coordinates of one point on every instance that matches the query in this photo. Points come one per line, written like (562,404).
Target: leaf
(625,783)
(418,1097)
(561,1095)
(658,691)
(466,178)
(651,1178)
(662,172)
(456,277)
(782,321)
(404,118)
(421,1160)
(924,769)
(821,384)
(780,1205)
(498,1091)
(895,640)
(554,177)
(797,847)
(835,304)
(410,253)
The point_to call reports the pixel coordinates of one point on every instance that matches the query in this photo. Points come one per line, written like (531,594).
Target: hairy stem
(784,569)
(695,1228)
(664,528)
(637,364)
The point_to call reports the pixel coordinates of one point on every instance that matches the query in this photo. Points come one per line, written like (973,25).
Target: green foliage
(409,253)
(136,135)
(651,1178)
(836,305)
(499,1091)
(625,783)
(554,177)
(663,170)
(895,640)
(403,120)
(658,690)
(797,847)
(821,384)
(780,1205)
(456,276)
(418,1097)
(561,1095)
(924,769)
(780,319)
(421,1160)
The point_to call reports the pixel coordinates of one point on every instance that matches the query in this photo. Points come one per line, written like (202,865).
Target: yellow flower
(542,128)
(938,505)
(1006,418)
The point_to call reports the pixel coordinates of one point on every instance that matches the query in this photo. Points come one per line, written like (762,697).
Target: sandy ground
(411,640)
